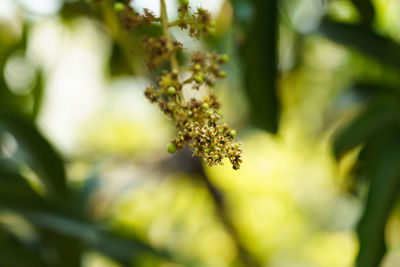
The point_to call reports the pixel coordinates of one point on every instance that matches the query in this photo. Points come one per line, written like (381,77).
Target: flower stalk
(197,120)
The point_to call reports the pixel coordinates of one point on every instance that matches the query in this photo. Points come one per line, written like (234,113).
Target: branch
(165,24)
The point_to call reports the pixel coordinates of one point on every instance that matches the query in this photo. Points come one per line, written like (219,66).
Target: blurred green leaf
(36,151)
(373,119)
(370,90)
(13,254)
(37,93)
(122,249)
(74,9)
(383,170)
(9,100)
(363,39)
(259,56)
(119,64)
(367,10)
(14,189)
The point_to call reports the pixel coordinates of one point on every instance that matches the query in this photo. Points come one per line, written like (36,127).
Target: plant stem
(165,24)
(179,21)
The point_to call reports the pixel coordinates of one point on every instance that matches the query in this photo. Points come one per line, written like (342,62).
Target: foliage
(33,180)
(375,129)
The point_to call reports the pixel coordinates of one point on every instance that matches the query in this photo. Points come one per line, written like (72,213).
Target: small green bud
(222,74)
(215,157)
(197,67)
(185,2)
(171,148)
(171,90)
(232,133)
(118,7)
(190,113)
(224,58)
(204,106)
(198,78)
(175,72)
(211,31)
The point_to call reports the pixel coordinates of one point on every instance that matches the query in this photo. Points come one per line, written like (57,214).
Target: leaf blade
(259,56)
(36,151)
(384,172)
(369,122)
(364,40)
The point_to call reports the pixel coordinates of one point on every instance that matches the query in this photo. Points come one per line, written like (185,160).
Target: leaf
(119,63)
(14,189)
(13,254)
(37,93)
(259,56)
(364,39)
(119,248)
(373,119)
(9,100)
(366,9)
(369,90)
(36,151)
(383,170)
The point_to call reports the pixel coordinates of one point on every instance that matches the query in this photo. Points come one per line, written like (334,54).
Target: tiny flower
(197,67)
(171,148)
(222,74)
(224,58)
(118,7)
(171,90)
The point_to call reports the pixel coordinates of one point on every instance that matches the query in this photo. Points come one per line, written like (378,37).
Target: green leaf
(119,248)
(363,39)
(13,254)
(259,56)
(383,170)
(367,10)
(36,151)
(372,120)
(37,93)
(14,189)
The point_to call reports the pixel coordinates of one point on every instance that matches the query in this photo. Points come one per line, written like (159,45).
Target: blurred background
(85,178)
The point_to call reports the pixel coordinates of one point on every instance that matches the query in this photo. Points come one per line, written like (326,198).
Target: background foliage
(313,87)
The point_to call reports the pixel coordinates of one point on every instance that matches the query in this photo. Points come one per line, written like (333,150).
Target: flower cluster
(133,19)
(197,118)
(158,51)
(199,23)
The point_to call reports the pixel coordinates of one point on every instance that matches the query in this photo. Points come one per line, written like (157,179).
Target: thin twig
(170,45)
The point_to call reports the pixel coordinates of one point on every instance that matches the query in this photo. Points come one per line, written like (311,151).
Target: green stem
(165,24)
(180,21)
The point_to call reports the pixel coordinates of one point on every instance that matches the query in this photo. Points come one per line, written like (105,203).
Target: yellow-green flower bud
(171,148)
(199,77)
(171,90)
(118,7)
(224,58)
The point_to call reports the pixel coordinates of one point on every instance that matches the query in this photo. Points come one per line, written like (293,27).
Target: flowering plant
(197,120)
